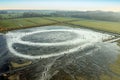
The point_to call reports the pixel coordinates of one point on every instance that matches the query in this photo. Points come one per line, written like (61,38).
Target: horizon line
(62,10)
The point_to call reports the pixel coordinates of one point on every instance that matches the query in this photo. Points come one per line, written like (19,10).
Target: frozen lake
(60,47)
(51,41)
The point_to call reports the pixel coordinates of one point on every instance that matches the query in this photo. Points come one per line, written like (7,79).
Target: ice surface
(73,50)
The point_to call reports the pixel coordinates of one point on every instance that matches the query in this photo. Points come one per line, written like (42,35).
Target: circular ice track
(44,43)
(49,42)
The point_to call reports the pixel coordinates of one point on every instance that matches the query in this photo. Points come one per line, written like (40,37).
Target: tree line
(94,15)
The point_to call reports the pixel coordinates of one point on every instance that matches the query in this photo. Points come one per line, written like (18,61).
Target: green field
(93,24)
(74,22)
(62,19)
(31,22)
(99,25)
(23,22)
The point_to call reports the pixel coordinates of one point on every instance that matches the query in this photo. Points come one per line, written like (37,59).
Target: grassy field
(99,25)
(62,19)
(23,22)
(19,23)
(77,22)
(11,24)
(93,24)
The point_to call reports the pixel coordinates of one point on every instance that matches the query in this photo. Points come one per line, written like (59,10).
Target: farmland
(99,25)
(74,22)
(23,23)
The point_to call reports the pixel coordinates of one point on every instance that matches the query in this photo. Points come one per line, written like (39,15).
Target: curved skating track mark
(81,41)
